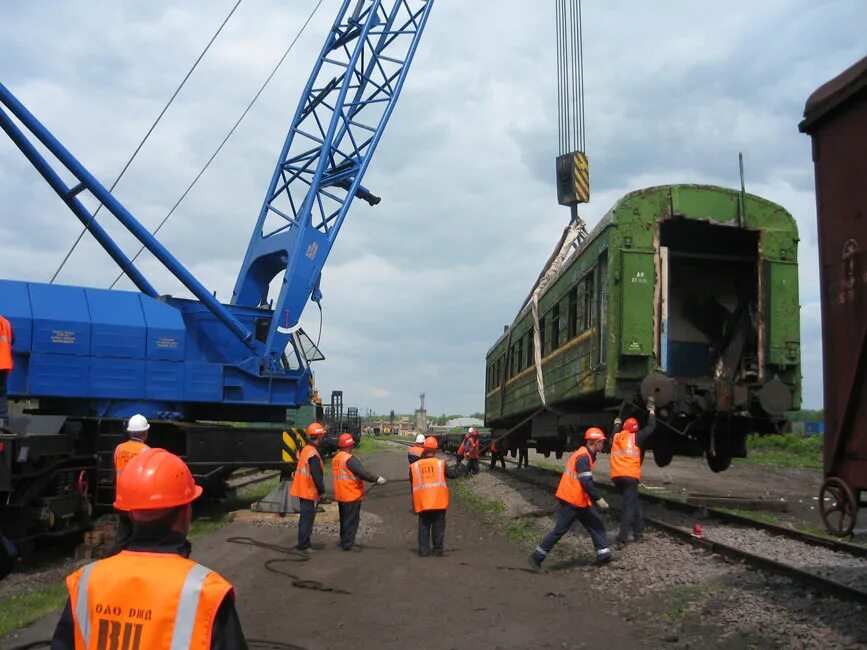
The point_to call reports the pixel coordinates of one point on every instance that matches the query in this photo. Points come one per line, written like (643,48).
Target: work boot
(535,562)
(605,558)
(437,553)
(424,553)
(638,538)
(307,550)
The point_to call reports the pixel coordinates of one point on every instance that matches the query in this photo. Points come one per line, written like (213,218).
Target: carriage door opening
(709,316)
(602,302)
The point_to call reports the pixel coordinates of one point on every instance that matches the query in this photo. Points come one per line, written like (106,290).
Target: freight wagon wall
(836,118)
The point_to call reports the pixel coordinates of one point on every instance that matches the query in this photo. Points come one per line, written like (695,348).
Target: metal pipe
(125,217)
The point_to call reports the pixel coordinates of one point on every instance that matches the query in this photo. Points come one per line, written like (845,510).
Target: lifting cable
(228,135)
(144,139)
(570,77)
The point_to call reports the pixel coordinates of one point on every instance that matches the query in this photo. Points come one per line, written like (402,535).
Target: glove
(381,481)
(651,405)
(602,504)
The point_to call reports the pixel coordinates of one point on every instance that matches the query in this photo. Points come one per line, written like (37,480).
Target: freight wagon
(684,293)
(835,116)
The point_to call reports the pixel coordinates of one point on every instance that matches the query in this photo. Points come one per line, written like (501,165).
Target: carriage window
(588,302)
(530,360)
(543,348)
(555,327)
(521,357)
(573,312)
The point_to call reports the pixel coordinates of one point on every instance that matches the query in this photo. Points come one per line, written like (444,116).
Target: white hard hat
(471,430)
(419,439)
(137,424)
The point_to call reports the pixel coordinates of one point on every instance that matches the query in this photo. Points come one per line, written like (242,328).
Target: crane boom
(338,123)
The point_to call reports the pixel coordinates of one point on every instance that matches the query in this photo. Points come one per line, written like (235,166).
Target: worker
(430,498)
(497,454)
(349,476)
(472,450)
(523,455)
(151,595)
(626,449)
(308,485)
(137,428)
(7,340)
(577,496)
(414,452)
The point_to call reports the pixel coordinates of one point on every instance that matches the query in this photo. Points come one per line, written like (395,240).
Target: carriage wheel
(837,506)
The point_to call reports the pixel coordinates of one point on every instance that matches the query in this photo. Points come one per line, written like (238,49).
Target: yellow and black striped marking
(581,177)
(293,443)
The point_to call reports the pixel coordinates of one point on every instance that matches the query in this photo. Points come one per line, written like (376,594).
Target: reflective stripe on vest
(570,489)
(303,485)
(189,611)
(429,489)
(347,486)
(625,457)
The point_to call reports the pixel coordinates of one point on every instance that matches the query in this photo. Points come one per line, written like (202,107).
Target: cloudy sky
(417,288)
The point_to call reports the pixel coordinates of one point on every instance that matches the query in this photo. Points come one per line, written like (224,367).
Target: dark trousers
(497,455)
(4,394)
(431,526)
(305,522)
(350,514)
(522,457)
(566,516)
(632,516)
(473,465)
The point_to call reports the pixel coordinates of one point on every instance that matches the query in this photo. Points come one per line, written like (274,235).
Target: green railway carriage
(686,293)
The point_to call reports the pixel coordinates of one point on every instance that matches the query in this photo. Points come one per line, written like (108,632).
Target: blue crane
(92,357)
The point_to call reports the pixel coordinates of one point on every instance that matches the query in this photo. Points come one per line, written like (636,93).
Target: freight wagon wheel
(83,483)
(837,506)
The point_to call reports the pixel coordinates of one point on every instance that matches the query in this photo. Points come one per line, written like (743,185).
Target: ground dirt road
(480,595)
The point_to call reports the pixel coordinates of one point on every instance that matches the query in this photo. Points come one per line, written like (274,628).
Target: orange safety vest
(6,362)
(125,452)
(625,456)
(472,449)
(415,451)
(303,485)
(347,486)
(429,489)
(570,489)
(145,601)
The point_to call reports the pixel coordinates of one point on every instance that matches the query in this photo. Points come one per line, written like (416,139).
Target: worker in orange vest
(626,449)
(416,450)
(430,498)
(497,454)
(472,450)
(7,340)
(151,596)
(308,485)
(349,476)
(137,428)
(577,496)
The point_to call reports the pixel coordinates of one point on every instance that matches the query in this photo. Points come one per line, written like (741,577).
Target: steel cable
(229,135)
(144,139)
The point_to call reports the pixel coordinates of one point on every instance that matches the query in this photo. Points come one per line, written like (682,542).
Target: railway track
(832,567)
(242,479)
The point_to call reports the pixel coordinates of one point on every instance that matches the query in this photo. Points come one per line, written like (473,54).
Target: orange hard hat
(154,480)
(345,440)
(594,433)
(315,430)
(631,425)
(430,443)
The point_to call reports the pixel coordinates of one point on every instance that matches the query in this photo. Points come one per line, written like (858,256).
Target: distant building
(465,422)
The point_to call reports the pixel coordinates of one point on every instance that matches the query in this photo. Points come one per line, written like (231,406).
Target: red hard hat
(631,425)
(594,433)
(315,430)
(430,443)
(345,440)
(155,480)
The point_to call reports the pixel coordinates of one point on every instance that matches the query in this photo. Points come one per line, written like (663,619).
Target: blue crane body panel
(111,349)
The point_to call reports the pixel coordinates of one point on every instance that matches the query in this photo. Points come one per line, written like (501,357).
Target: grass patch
(22,610)
(478,505)
(785,450)
(678,599)
(523,531)
(214,515)
(755,515)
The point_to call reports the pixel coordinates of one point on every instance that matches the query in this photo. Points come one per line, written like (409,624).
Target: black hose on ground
(32,644)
